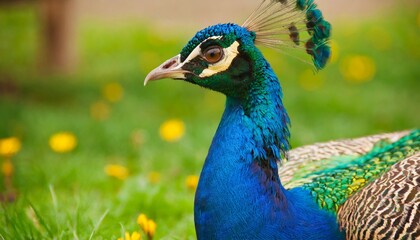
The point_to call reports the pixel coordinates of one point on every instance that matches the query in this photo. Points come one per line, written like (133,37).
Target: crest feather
(292,24)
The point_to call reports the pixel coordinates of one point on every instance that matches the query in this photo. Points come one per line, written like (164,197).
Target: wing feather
(313,158)
(388,207)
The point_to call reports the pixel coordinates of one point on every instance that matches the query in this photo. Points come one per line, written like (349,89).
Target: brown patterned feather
(388,207)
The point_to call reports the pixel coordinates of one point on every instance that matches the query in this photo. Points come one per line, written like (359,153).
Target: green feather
(333,186)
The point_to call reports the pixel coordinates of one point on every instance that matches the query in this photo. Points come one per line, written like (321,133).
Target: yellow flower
(117,171)
(310,81)
(99,110)
(9,146)
(62,142)
(172,130)
(147,225)
(112,92)
(7,168)
(191,182)
(134,236)
(142,220)
(154,177)
(358,68)
(151,228)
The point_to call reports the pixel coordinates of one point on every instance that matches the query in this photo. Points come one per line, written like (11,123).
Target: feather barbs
(291,24)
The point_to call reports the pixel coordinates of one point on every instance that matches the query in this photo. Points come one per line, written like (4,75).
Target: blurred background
(87,152)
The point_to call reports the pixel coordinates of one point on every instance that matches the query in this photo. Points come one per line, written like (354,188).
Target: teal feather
(320,31)
(304,4)
(321,53)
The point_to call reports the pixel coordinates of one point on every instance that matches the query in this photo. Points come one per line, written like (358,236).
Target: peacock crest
(291,25)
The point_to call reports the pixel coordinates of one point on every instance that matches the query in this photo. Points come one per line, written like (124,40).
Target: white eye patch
(228,55)
(197,50)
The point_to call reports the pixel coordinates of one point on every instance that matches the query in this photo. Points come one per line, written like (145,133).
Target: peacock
(252,186)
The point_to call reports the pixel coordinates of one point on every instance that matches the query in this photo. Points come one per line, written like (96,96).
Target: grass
(69,196)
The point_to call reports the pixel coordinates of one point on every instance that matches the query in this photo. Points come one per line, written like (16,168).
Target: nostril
(169,64)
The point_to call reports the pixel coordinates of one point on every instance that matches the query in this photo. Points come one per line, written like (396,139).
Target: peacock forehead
(230,31)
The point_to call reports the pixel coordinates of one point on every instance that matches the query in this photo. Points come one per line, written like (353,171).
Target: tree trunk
(57,36)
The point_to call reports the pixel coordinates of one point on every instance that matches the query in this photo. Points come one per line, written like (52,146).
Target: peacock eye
(213,54)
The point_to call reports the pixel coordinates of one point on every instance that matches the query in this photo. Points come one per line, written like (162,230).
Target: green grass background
(70,194)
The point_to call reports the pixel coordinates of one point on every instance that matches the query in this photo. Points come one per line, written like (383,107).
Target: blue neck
(240,195)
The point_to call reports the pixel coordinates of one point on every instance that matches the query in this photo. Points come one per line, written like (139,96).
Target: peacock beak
(171,68)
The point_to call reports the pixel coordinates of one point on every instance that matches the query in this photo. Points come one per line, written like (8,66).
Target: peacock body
(365,188)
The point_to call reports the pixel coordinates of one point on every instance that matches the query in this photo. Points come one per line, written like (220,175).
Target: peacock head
(224,57)
(219,57)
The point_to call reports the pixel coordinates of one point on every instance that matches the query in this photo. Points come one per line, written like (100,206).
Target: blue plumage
(239,195)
